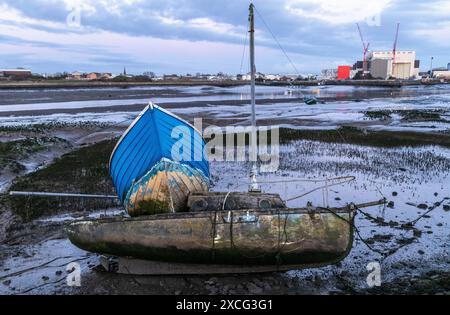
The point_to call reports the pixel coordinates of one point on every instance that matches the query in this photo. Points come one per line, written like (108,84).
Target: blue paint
(146,142)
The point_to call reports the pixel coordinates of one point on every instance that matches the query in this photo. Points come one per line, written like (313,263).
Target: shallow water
(283,111)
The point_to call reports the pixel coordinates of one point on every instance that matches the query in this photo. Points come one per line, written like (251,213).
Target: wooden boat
(164,188)
(151,176)
(250,240)
(246,232)
(281,238)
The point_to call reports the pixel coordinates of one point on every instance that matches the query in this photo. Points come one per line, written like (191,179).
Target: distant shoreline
(6,85)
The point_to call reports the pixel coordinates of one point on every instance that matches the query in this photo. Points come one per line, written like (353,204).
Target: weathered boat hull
(164,189)
(279,238)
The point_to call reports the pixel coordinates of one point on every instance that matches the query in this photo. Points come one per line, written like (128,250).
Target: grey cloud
(300,35)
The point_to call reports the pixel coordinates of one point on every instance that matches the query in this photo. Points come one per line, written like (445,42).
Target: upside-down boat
(177,226)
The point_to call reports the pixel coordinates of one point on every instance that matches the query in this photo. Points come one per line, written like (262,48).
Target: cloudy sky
(181,36)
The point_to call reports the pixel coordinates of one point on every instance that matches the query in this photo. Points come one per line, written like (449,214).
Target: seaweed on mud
(378,114)
(12,151)
(353,135)
(50,126)
(23,146)
(407,115)
(84,170)
(421,115)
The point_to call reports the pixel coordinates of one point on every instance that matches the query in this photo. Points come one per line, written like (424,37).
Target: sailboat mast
(253,150)
(252,62)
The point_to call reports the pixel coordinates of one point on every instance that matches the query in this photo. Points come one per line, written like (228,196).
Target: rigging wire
(276,40)
(288,58)
(243,53)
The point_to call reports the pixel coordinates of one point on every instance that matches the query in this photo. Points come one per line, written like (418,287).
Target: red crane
(365,49)
(394,50)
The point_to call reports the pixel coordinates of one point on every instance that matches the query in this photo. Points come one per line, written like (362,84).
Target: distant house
(75,76)
(247,77)
(285,78)
(149,74)
(93,76)
(106,76)
(170,77)
(272,77)
(189,77)
(329,74)
(15,73)
(202,77)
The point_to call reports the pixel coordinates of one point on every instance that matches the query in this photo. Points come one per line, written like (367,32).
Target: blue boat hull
(156,135)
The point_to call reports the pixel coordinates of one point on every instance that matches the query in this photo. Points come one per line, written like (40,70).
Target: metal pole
(431,68)
(49,194)
(254,186)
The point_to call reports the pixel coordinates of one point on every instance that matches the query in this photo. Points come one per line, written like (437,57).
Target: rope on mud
(413,222)
(409,225)
(47,283)
(17,273)
(43,285)
(385,254)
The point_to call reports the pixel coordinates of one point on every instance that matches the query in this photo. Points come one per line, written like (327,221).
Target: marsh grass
(84,170)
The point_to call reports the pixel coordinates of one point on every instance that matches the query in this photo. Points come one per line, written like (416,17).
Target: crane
(365,49)
(394,50)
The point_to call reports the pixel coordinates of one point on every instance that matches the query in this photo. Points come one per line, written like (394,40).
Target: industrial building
(343,72)
(442,72)
(15,73)
(329,74)
(381,64)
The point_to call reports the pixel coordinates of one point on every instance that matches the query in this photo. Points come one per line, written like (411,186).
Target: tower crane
(365,49)
(394,50)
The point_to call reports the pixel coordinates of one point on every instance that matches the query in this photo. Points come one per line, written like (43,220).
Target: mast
(254,186)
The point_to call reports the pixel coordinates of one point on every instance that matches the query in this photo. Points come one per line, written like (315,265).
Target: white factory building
(382,66)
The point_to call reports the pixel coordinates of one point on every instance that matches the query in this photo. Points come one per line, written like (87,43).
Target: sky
(209,36)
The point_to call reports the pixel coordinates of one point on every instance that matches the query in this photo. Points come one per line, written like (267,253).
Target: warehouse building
(15,73)
(442,73)
(329,74)
(344,72)
(382,66)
